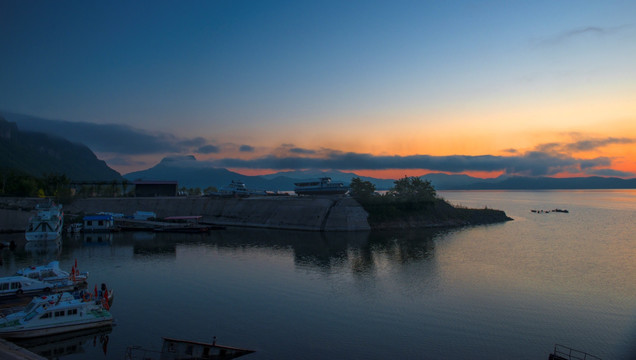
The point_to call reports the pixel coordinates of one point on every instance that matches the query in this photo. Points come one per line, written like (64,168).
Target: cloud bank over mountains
(124,144)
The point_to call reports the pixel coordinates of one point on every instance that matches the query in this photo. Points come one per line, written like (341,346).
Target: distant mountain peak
(177,158)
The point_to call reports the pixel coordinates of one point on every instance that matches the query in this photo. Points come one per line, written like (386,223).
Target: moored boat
(56,314)
(235,188)
(47,224)
(174,349)
(12,286)
(52,273)
(322,186)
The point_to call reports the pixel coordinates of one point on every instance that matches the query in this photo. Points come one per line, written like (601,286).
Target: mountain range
(38,154)
(189,172)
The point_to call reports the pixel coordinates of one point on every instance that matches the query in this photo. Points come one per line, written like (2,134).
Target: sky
(379,88)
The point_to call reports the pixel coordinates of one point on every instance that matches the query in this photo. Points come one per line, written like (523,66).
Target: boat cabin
(16,285)
(99,223)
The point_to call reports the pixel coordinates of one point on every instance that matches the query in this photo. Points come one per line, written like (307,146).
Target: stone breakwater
(293,213)
(329,213)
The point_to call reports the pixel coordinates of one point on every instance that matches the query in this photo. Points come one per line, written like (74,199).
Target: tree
(413,189)
(124,186)
(210,189)
(361,189)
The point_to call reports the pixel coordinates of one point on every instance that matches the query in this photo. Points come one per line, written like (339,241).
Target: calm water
(509,290)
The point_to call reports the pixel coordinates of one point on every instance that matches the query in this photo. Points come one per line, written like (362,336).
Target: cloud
(533,163)
(296,150)
(209,149)
(109,138)
(580,32)
(246,148)
(593,144)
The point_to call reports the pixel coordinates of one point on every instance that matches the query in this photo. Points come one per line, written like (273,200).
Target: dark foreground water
(502,291)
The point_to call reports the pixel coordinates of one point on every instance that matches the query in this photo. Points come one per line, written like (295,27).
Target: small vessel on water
(12,286)
(51,273)
(56,314)
(47,224)
(322,186)
(174,349)
(235,188)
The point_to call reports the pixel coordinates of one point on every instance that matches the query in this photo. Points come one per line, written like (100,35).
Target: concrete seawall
(294,213)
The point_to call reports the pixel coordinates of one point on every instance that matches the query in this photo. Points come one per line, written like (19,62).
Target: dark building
(149,188)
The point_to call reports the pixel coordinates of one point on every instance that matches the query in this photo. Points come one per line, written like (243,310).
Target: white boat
(51,273)
(56,314)
(47,224)
(11,286)
(322,186)
(235,188)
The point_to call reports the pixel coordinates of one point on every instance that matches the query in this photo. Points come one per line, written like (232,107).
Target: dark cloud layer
(124,143)
(532,163)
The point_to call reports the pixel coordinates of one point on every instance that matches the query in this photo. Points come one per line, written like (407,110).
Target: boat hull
(42,236)
(53,330)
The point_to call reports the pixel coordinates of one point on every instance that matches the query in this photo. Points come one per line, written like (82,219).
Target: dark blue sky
(378,78)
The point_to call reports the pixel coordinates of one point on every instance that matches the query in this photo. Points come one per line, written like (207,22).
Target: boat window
(15,285)
(89,223)
(71,312)
(59,313)
(189,350)
(4,286)
(45,315)
(30,307)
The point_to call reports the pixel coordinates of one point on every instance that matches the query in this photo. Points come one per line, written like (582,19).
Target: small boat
(56,314)
(185,224)
(51,273)
(235,188)
(74,228)
(12,286)
(322,186)
(174,349)
(47,224)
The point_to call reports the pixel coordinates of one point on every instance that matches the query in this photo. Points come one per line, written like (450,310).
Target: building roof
(98,217)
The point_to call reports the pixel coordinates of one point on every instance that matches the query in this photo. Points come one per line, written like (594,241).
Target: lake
(510,290)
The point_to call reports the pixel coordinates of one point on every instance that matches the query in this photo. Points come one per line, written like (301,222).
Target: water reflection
(78,342)
(98,238)
(43,249)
